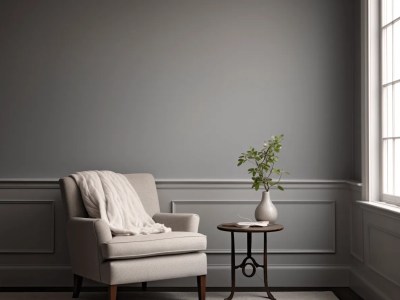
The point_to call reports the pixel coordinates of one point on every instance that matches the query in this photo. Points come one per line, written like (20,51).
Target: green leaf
(281,188)
(264,159)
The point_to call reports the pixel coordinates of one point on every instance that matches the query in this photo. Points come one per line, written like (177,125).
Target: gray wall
(179,89)
(176,88)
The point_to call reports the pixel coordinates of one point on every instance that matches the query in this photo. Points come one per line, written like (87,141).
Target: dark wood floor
(343,293)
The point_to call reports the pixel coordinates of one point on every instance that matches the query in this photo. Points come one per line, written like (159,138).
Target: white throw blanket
(110,197)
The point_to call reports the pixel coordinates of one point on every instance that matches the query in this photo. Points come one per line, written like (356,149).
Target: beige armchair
(114,260)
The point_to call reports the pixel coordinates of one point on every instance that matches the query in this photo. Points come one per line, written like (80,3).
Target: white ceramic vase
(266,210)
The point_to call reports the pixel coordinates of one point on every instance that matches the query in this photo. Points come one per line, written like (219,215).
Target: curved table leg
(233,264)
(270,296)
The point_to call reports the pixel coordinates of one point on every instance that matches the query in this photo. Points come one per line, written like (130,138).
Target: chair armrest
(178,221)
(85,236)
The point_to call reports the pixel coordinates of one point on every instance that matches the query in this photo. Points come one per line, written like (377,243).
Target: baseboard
(284,276)
(366,289)
(35,276)
(218,276)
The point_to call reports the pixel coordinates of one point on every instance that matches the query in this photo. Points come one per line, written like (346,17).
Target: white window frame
(371,93)
(370,82)
(389,198)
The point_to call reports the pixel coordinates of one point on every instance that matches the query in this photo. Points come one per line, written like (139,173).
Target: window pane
(396,109)
(384,167)
(396,9)
(383,12)
(387,11)
(396,50)
(389,112)
(397,167)
(384,59)
(387,62)
(388,167)
(390,164)
(384,111)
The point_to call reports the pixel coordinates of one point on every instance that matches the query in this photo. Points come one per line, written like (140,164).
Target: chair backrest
(144,184)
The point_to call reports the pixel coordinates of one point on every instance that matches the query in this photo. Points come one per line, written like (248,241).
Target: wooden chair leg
(77,286)
(112,292)
(144,286)
(201,286)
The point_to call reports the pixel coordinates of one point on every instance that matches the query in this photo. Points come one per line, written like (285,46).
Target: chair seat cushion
(137,246)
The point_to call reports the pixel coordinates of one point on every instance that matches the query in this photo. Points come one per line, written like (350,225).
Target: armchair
(114,260)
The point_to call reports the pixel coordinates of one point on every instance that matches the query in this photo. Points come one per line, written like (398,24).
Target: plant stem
(265,157)
(266,187)
(272,168)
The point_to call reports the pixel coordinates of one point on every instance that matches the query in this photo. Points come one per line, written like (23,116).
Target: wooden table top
(233,228)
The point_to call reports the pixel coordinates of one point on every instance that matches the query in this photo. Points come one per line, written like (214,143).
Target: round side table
(232,228)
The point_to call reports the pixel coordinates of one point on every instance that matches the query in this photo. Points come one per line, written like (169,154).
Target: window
(390,100)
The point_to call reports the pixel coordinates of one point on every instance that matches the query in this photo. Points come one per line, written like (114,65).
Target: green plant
(264,164)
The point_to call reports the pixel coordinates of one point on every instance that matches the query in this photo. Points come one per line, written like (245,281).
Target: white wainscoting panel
(312,250)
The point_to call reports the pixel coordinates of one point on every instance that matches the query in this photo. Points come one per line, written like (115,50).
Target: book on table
(252,224)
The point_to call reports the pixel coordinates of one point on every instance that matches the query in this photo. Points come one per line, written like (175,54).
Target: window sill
(385,208)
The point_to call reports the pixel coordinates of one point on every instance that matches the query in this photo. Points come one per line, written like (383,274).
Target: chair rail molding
(52,183)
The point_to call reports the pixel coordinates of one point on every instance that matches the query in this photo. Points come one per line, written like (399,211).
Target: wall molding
(365,288)
(42,184)
(210,184)
(174,204)
(5,268)
(52,183)
(49,250)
